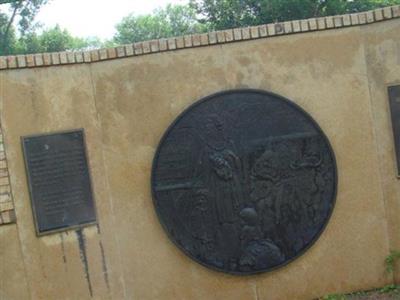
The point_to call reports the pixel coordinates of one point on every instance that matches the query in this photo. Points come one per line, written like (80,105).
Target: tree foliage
(223,14)
(49,40)
(19,34)
(26,11)
(27,37)
(7,35)
(23,10)
(53,40)
(174,20)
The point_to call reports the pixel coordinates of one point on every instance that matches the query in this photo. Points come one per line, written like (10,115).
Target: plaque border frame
(29,183)
(199,101)
(391,120)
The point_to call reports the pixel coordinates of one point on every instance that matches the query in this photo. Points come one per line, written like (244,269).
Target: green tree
(23,10)
(25,36)
(174,20)
(7,36)
(223,14)
(53,40)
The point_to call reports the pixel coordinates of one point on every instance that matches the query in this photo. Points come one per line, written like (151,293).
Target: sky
(84,18)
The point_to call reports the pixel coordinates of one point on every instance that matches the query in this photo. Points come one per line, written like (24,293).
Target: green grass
(391,289)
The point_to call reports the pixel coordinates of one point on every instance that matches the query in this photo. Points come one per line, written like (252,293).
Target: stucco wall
(339,77)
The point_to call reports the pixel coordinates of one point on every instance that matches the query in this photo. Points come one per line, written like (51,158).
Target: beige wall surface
(339,77)
(382,51)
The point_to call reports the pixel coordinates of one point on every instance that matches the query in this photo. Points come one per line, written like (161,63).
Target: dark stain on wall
(83,255)
(103,260)
(104,265)
(64,257)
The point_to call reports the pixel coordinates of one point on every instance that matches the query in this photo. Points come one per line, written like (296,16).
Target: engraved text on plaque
(59,180)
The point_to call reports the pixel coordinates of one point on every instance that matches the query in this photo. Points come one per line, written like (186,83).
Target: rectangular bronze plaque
(394,101)
(59,181)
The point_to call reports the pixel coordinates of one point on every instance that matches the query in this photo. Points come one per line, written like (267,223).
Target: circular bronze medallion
(244,181)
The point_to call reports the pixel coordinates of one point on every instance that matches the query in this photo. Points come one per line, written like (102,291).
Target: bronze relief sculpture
(244,181)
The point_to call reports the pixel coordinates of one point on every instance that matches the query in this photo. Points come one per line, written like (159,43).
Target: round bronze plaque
(244,181)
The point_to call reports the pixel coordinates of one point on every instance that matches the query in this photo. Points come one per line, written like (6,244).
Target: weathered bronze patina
(59,181)
(244,181)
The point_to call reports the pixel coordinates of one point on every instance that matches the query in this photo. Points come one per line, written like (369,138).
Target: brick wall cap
(200,40)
